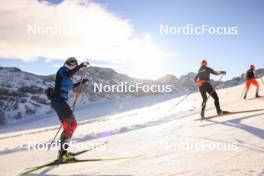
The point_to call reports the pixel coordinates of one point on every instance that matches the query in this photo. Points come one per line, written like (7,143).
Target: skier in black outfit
(63,84)
(202,80)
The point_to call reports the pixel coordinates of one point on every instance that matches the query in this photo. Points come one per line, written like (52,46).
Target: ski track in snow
(149,130)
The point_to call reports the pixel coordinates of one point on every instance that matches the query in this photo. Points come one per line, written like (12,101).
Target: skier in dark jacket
(202,80)
(63,85)
(250,78)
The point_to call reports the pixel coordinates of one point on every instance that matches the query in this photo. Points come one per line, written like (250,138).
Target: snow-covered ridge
(22,93)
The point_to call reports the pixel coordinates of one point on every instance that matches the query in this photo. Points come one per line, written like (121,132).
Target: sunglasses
(72,63)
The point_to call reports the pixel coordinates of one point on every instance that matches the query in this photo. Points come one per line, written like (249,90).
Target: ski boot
(257,95)
(202,115)
(245,96)
(221,112)
(64,156)
(63,152)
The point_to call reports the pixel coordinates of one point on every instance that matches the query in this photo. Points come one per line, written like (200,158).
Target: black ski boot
(202,115)
(257,94)
(220,113)
(245,96)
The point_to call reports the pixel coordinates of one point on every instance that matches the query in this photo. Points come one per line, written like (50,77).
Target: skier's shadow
(237,123)
(44,173)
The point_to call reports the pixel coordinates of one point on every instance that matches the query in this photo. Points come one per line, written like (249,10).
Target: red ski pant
(252,81)
(69,125)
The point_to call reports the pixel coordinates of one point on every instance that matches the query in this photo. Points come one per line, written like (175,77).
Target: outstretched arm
(217,72)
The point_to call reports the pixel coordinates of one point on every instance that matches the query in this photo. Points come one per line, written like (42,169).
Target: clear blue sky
(231,53)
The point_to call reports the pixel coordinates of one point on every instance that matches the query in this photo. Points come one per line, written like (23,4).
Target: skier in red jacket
(251,79)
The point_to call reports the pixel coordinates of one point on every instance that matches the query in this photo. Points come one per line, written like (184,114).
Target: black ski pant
(207,88)
(67,119)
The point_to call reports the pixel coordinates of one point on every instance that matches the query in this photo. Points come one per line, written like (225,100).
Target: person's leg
(64,137)
(69,125)
(248,83)
(204,96)
(255,83)
(68,122)
(213,93)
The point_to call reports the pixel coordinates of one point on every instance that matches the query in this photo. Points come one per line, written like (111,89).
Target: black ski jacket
(250,74)
(204,73)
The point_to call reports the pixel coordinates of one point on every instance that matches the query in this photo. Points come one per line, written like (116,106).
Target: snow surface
(165,143)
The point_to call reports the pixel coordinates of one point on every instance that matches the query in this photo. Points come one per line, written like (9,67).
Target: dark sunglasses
(72,63)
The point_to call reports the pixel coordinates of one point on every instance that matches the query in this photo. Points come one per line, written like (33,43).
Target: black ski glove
(85,64)
(84,81)
(222,72)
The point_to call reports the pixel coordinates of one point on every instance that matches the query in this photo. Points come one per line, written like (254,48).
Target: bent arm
(73,71)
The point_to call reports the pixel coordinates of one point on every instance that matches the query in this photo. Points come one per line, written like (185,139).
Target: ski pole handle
(78,92)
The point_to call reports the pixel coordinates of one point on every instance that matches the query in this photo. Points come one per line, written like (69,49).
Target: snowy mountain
(22,93)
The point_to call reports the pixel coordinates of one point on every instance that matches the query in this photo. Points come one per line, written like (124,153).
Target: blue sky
(233,53)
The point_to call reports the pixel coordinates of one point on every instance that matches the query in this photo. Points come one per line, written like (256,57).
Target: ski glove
(223,72)
(84,81)
(85,64)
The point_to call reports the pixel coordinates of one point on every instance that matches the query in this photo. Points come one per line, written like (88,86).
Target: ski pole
(78,93)
(243,92)
(190,94)
(244,77)
(262,80)
(55,137)
(180,101)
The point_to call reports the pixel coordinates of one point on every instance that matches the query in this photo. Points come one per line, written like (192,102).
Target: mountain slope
(166,143)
